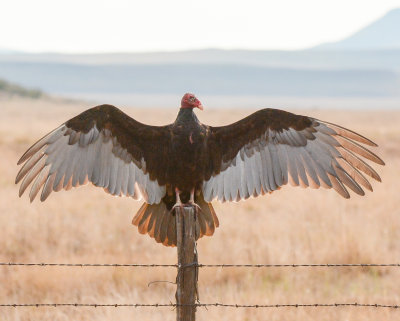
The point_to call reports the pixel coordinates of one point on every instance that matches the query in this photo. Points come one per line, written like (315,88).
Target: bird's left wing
(103,146)
(271,147)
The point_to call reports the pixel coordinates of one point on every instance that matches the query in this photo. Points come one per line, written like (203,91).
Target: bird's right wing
(271,147)
(103,146)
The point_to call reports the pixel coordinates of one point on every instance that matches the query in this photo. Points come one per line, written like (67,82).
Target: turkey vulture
(189,162)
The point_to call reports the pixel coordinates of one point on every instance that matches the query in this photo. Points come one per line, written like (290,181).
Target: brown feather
(39,181)
(28,166)
(347,180)
(355,174)
(143,227)
(136,219)
(349,134)
(338,186)
(48,187)
(36,169)
(357,162)
(38,145)
(353,146)
(164,227)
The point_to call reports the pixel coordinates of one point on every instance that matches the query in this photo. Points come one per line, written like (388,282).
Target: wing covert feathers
(270,148)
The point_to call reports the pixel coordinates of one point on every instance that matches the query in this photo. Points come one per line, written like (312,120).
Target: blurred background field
(293,225)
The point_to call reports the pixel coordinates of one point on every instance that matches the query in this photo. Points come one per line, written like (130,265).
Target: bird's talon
(193,204)
(179,204)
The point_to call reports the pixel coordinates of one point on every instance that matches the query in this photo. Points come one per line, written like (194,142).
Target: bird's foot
(178,204)
(193,204)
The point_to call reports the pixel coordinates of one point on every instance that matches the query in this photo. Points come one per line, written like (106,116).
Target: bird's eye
(192,98)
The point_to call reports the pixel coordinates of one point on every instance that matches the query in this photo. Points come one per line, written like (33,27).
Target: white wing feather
(65,158)
(322,155)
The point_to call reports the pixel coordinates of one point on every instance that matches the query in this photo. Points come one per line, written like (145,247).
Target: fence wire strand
(88,264)
(216,304)
(201,265)
(159,305)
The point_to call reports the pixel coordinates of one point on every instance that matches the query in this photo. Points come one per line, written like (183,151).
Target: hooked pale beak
(200,106)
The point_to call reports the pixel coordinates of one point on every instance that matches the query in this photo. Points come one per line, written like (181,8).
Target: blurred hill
(303,59)
(9,89)
(381,34)
(370,69)
(223,79)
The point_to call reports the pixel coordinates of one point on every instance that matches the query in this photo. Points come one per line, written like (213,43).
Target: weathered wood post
(186,280)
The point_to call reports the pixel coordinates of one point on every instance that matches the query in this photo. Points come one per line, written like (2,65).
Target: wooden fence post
(186,280)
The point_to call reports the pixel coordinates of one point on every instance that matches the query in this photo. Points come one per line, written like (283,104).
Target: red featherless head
(190,101)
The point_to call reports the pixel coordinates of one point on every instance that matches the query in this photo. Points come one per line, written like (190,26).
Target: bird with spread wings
(188,162)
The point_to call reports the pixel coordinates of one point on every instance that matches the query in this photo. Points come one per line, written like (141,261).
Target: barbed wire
(87,264)
(216,304)
(202,265)
(301,265)
(159,305)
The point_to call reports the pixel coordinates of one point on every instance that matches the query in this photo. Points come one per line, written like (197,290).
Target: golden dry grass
(290,226)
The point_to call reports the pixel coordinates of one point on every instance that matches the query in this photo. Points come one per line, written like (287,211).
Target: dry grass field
(290,226)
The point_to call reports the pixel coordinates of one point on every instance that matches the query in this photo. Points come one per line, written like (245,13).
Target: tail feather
(143,226)
(152,224)
(210,218)
(144,222)
(159,222)
(161,214)
(166,221)
(215,217)
(171,233)
(139,214)
(201,222)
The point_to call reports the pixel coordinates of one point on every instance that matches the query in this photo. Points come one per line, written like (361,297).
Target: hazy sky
(130,25)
